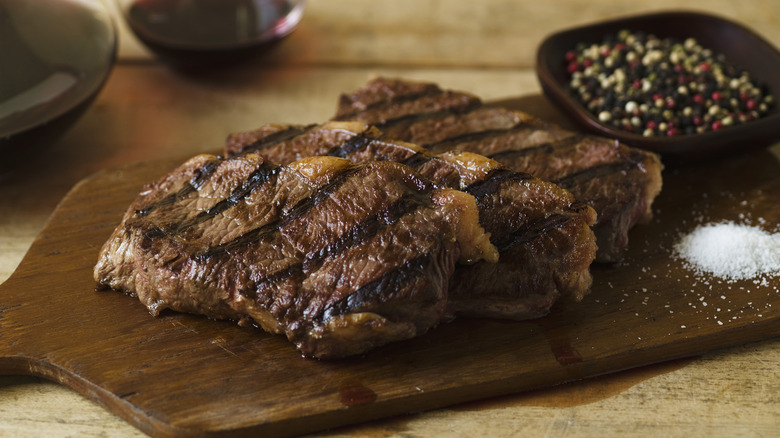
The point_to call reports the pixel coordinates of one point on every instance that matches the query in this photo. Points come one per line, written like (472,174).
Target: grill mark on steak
(417,159)
(276,138)
(542,148)
(419,117)
(354,144)
(531,231)
(361,142)
(452,142)
(371,226)
(491,184)
(201,175)
(298,210)
(396,99)
(374,291)
(252,236)
(257,179)
(292,272)
(321,195)
(597,171)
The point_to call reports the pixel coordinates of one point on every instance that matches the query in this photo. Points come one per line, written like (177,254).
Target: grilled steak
(544,237)
(618,181)
(337,256)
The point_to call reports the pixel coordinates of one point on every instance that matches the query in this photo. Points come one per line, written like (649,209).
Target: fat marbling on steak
(337,256)
(542,233)
(618,181)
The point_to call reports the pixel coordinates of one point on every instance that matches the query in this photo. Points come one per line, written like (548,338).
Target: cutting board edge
(116,404)
(150,424)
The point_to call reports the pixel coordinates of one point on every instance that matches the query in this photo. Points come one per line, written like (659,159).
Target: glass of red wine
(210,32)
(55,56)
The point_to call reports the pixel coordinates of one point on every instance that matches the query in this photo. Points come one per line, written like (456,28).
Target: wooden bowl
(740,45)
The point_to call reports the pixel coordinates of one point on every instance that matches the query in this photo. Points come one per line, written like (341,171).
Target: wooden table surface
(148,111)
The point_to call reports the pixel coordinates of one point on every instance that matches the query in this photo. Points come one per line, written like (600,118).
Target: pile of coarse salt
(731,251)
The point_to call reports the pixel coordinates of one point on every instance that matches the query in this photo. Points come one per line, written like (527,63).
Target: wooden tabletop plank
(460,33)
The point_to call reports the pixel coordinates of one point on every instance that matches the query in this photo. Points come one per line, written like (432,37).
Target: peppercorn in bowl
(687,85)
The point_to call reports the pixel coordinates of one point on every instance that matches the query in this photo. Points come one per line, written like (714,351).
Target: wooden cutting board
(182,375)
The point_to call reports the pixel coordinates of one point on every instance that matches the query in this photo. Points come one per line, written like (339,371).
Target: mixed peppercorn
(641,84)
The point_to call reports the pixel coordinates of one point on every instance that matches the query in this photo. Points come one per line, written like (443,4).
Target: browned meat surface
(544,238)
(618,181)
(339,257)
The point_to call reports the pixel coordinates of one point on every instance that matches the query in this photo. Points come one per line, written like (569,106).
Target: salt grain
(731,251)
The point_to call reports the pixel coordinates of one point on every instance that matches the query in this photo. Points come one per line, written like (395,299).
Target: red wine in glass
(55,57)
(210,31)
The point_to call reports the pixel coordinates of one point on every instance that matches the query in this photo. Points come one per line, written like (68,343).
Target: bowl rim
(765,130)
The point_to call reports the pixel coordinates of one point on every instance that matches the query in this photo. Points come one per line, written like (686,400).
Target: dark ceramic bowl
(56,57)
(741,47)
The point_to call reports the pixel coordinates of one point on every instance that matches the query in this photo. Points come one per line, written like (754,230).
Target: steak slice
(543,235)
(337,256)
(620,182)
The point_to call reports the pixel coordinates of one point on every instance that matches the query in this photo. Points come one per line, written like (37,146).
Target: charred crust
(531,231)
(493,181)
(354,144)
(428,90)
(594,172)
(542,148)
(375,293)
(418,117)
(274,139)
(199,177)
